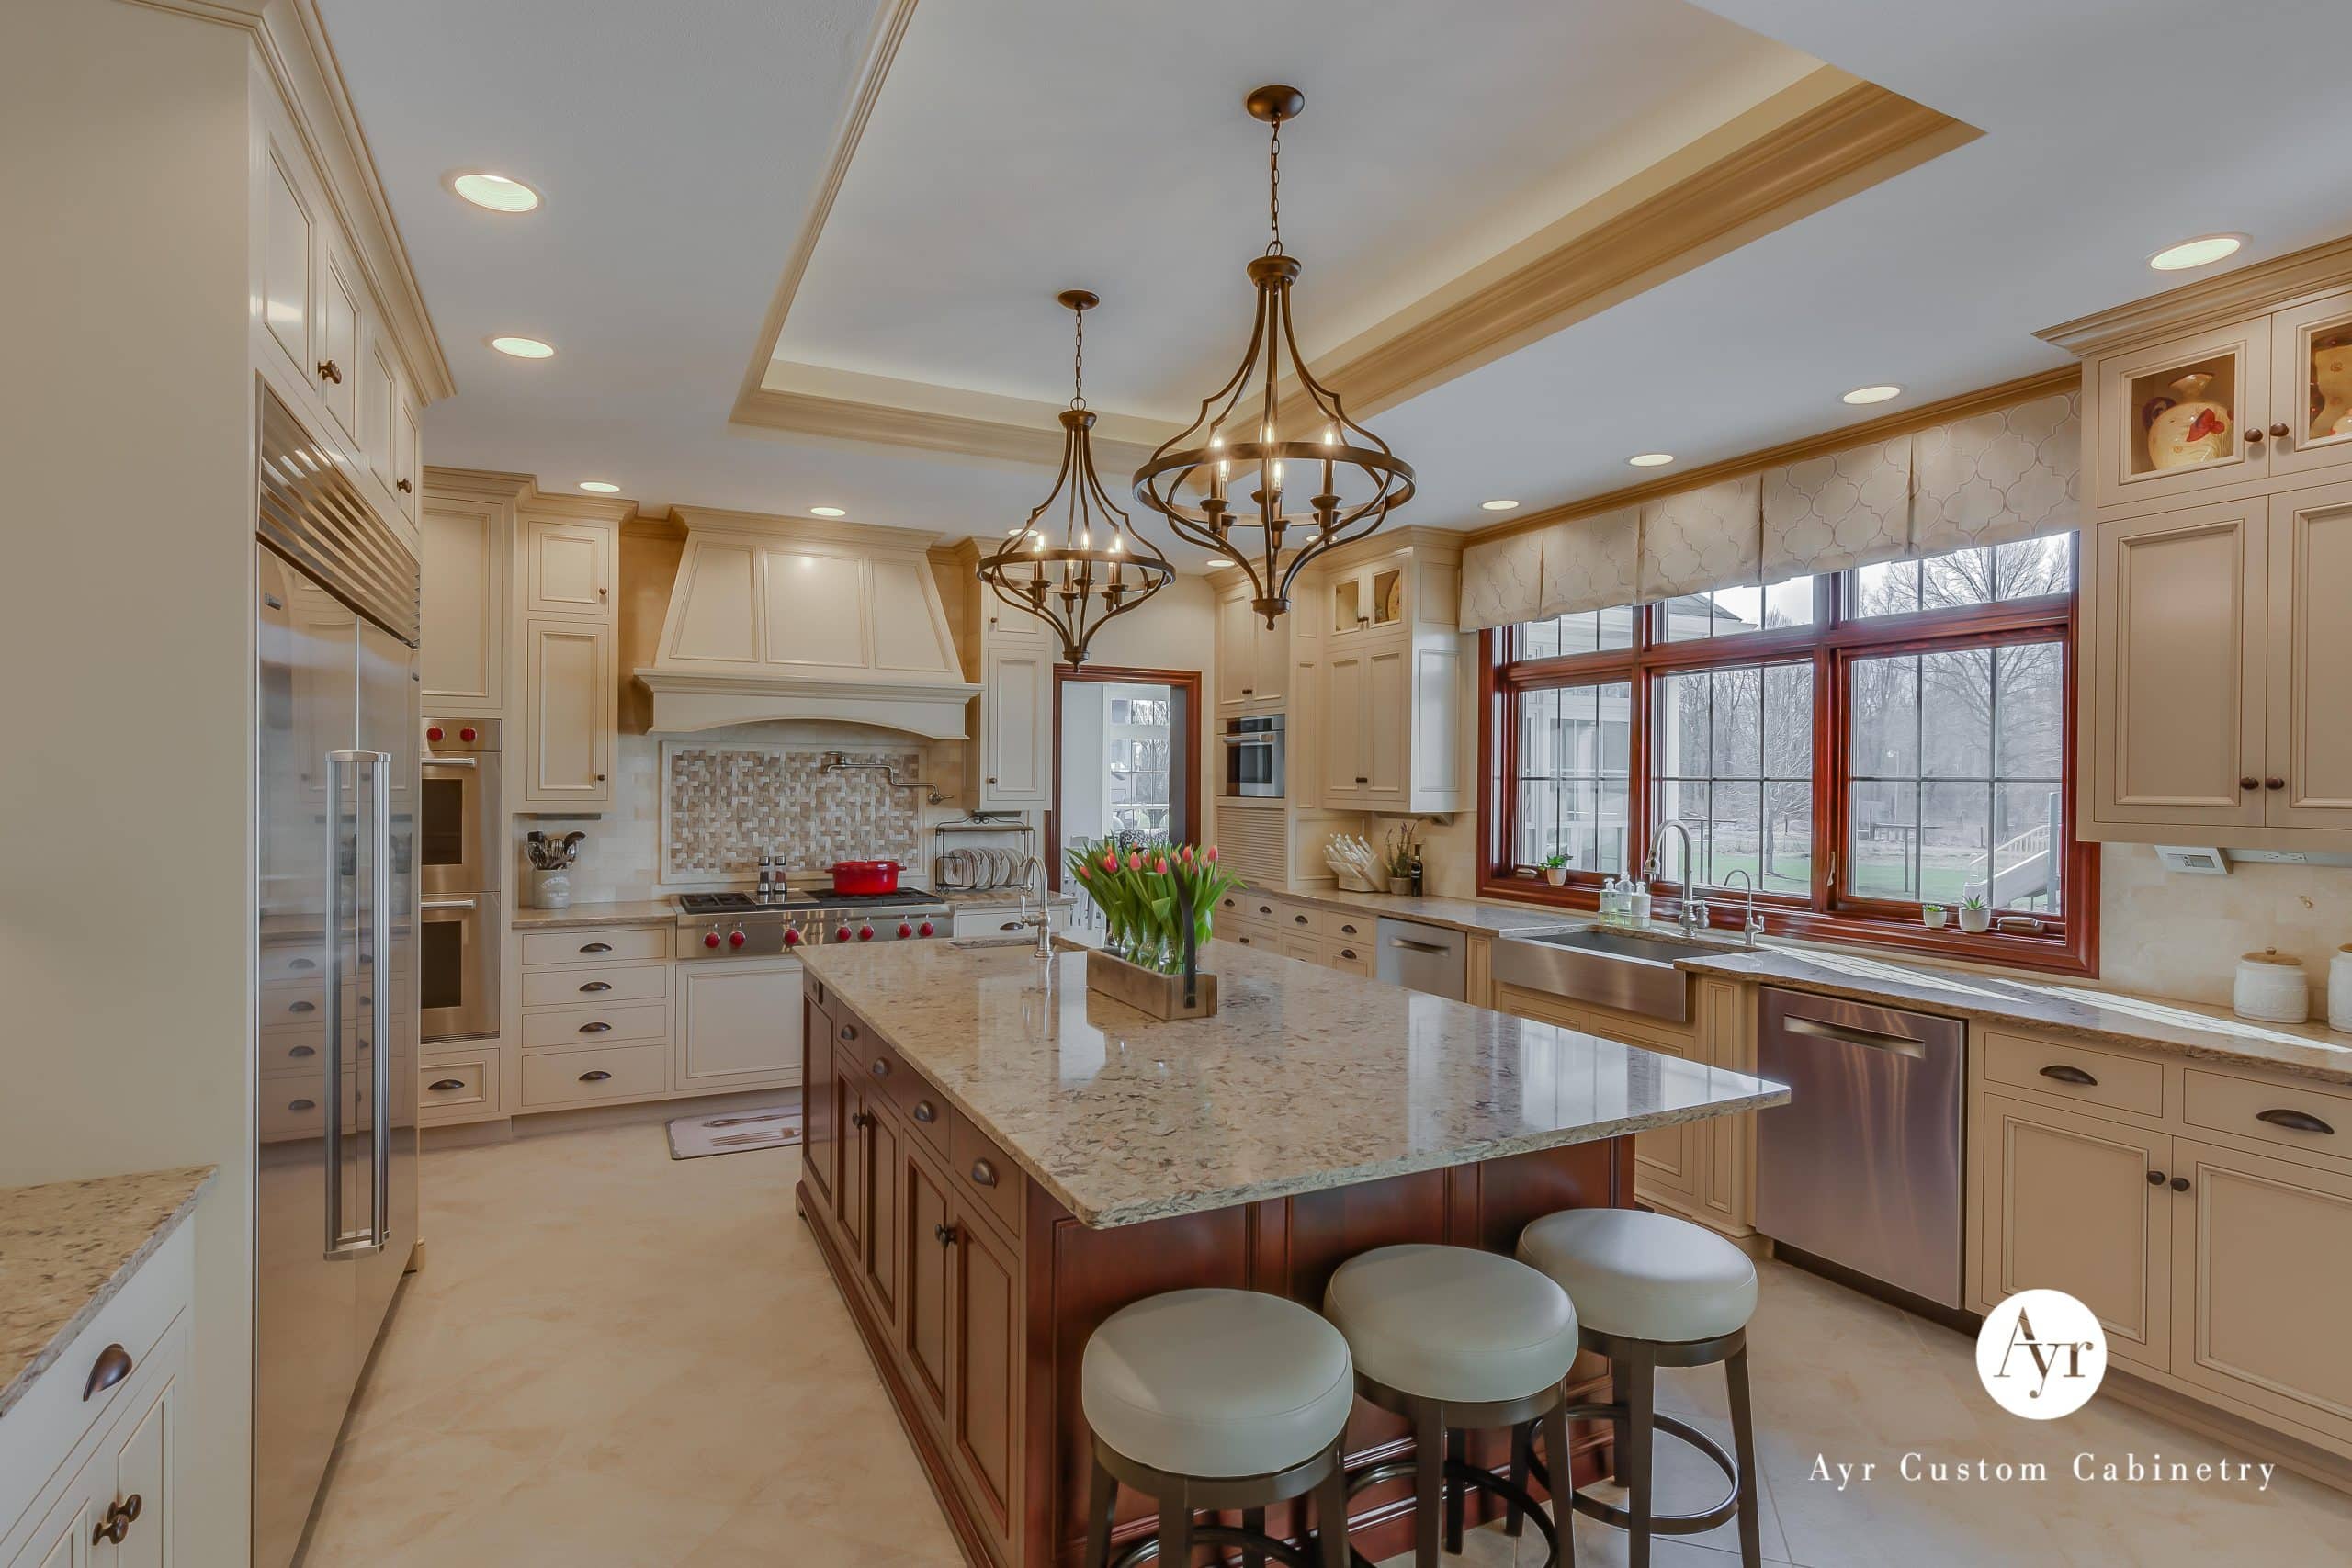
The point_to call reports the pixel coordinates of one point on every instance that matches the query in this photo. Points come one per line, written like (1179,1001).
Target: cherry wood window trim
(1187,682)
(1831,643)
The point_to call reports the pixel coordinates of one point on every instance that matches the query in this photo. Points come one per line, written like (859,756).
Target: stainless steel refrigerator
(335,1032)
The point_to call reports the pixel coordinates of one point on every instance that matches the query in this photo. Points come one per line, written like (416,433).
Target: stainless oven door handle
(1894,1044)
(452,762)
(1247,739)
(448,903)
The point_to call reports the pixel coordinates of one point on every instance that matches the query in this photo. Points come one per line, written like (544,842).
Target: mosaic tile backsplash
(724,806)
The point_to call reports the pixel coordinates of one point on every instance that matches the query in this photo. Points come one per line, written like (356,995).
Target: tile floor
(616,1359)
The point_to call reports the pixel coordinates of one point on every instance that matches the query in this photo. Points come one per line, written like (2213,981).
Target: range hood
(778,619)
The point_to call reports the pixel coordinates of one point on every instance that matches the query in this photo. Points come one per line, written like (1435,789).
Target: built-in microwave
(1253,757)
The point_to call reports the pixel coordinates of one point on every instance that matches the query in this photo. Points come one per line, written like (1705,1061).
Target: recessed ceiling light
(827,511)
(495,192)
(523,348)
(2202,251)
(1651,459)
(598,487)
(1873,394)
(1498,506)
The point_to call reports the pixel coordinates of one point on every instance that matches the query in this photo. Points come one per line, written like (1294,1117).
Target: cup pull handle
(2064,1074)
(597,985)
(600,1027)
(443,1085)
(112,1366)
(983,1173)
(924,1112)
(599,1076)
(596,947)
(2295,1122)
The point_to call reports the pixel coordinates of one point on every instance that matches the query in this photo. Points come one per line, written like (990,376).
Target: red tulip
(1135,860)
(1185,854)
(1110,859)
(1211,854)
(1160,865)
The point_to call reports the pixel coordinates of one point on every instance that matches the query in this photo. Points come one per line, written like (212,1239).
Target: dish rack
(958,865)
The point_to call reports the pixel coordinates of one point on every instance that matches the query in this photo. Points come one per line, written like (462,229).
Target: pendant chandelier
(1103,567)
(1253,438)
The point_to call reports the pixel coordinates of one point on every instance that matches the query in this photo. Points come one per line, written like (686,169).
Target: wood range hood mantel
(782,618)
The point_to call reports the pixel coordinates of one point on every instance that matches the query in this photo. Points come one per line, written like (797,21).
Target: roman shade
(1990,479)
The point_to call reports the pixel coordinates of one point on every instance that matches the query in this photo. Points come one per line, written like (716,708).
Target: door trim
(1186,682)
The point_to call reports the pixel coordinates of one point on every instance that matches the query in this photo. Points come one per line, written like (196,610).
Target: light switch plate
(2189,858)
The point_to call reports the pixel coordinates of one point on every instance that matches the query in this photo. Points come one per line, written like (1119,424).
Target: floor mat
(730,1131)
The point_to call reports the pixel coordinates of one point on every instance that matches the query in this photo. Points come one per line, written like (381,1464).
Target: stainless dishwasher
(1422,958)
(1861,1169)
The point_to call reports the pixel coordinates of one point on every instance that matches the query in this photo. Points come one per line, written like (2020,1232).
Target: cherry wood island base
(975,1291)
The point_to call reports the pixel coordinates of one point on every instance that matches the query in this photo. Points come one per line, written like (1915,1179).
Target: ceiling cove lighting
(827,511)
(1498,506)
(524,348)
(599,487)
(1872,394)
(1651,459)
(494,193)
(2202,251)
(1243,436)
(1102,569)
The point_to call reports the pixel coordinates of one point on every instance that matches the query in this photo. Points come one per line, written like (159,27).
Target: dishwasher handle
(1845,1034)
(1410,945)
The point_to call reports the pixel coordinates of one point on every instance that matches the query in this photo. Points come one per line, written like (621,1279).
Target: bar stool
(1217,1399)
(1653,1290)
(1456,1341)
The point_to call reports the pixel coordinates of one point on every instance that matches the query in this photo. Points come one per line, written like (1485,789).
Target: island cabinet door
(884,1162)
(821,1146)
(930,1239)
(984,1324)
(849,1107)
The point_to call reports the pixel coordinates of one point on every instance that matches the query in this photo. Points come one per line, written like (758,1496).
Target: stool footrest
(1148,1550)
(1661,1524)
(1464,1474)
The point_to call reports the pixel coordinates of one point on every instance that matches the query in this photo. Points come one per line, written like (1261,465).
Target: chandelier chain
(1078,364)
(1274,191)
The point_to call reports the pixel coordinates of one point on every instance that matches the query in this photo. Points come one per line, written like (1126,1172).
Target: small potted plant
(1933,916)
(1555,867)
(1975,914)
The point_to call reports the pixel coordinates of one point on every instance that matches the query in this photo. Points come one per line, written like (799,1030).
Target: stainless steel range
(737,925)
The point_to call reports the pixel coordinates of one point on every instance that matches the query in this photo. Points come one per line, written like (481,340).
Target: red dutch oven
(867,876)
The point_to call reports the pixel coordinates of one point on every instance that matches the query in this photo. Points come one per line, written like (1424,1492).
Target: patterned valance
(1988,479)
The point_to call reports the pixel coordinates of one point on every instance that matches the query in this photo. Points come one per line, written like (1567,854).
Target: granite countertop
(1456,914)
(66,1247)
(2074,1008)
(620,912)
(1307,1078)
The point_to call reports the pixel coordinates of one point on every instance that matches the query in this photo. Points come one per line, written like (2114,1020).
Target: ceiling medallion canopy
(1103,567)
(1268,423)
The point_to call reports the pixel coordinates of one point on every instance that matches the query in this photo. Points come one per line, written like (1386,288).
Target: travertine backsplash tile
(2169,934)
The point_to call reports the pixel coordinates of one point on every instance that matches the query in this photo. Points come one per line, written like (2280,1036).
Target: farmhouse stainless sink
(1632,973)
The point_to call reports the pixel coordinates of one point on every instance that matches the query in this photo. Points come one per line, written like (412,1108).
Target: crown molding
(2023,390)
(2210,301)
(523,492)
(1038,442)
(865,536)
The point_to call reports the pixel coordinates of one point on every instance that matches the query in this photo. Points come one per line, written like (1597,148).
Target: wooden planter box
(1148,990)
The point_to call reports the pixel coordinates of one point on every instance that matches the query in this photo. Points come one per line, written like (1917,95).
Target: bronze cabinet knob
(402,486)
(330,371)
(2254,435)
(2180,1184)
(2249,781)
(2274,784)
(2279,430)
(117,1524)
(2155,1178)
(945,1234)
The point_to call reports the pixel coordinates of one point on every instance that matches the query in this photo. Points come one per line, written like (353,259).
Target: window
(1854,747)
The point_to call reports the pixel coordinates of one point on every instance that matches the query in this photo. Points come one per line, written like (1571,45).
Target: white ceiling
(680,145)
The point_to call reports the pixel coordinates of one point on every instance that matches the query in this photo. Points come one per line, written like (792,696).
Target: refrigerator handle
(372,802)
(379,988)
(331,1102)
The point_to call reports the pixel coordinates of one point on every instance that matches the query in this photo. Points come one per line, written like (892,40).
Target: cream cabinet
(738,1025)
(462,661)
(1253,658)
(1016,722)
(570,566)
(569,714)
(1391,722)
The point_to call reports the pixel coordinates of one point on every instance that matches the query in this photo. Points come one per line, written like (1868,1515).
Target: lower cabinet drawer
(987,1174)
(2301,1119)
(457,1088)
(572,1078)
(1349,930)
(1249,934)
(595,944)
(1350,955)
(597,984)
(597,1026)
(2098,1078)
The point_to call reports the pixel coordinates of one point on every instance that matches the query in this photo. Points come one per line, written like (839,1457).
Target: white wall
(1083,706)
(126,616)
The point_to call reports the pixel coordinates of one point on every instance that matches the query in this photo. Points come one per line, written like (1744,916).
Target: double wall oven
(457,880)
(1253,757)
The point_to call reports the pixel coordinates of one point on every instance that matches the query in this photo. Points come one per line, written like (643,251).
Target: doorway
(1127,756)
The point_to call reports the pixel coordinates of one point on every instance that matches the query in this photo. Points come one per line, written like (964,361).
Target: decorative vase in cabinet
(2186,428)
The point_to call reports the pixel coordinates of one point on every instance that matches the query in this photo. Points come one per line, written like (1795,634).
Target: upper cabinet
(465,540)
(1016,728)
(571,565)
(2214,570)
(1253,658)
(1388,720)
(569,660)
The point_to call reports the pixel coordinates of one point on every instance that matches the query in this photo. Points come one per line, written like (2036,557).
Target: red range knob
(840,933)
(433,733)
(466,733)
(927,929)
(710,939)
(735,939)
(865,933)
(792,936)
(905,931)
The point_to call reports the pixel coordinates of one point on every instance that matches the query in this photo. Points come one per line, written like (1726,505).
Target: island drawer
(2134,1084)
(854,1044)
(926,1111)
(594,945)
(458,1089)
(987,1173)
(596,1026)
(595,985)
(2302,1120)
(572,1078)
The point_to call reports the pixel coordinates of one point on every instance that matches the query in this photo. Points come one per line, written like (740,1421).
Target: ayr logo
(2041,1354)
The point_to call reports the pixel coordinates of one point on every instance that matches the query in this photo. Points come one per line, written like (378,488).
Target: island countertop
(1307,1078)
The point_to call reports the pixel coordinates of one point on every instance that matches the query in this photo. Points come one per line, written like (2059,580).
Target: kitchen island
(998,1158)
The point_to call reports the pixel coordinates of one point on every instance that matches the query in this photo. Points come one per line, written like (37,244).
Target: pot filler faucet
(1693,914)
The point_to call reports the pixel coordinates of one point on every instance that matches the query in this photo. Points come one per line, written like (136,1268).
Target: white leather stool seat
(1644,1276)
(1216,1383)
(1452,1323)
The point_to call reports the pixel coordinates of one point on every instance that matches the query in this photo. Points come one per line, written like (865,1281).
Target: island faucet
(1043,918)
(1693,916)
(1752,925)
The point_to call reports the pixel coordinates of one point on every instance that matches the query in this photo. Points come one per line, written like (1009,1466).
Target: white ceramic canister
(550,888)
(2340,990)
(2271,988)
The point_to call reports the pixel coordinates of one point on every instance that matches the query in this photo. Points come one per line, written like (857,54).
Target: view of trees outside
(1136,735)
(1955,757)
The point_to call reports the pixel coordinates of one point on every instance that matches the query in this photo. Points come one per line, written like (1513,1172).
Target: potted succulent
(1555,867)
(1933,916)
(1975,914)
(1158,903)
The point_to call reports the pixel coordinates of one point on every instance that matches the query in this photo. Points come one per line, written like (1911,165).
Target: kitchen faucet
(1753,926)
(1693,915)
(1043,918)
